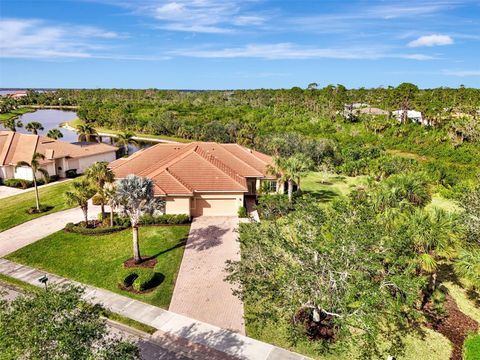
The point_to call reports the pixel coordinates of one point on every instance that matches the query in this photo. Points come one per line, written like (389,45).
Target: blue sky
(229,44)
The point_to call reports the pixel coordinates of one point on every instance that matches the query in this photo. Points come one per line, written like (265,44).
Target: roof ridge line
(168,161)
(250,151)
(236,157)
(220,165)
(179,180)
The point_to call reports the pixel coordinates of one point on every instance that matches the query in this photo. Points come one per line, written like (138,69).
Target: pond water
(51,119)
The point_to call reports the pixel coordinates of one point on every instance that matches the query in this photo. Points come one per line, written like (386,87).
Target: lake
(51,119)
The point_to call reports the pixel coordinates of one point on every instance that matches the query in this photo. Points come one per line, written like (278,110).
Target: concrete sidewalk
(168,323)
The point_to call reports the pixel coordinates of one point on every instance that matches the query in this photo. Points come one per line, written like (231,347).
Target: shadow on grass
(322,195)
(181,243)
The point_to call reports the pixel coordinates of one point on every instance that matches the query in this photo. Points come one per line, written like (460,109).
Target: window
(269,186)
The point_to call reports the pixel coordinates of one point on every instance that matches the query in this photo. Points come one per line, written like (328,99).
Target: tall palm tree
(135,195)
(12,124)
(291,170)
(54,134)
(80,194)
(85,132)
(110,190)
(126,139)
(435,237)
(34,165)
(99,174)
(34,127)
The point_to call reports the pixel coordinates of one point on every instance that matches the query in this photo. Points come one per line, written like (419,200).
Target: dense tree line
(286,121)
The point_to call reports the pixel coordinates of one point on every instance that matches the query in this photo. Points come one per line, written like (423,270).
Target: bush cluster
(25,184)
(78,229)
(242,212)
(165,219)
(72,173)
(140,279)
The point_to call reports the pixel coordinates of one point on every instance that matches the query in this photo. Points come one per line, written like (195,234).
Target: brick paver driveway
(201,291)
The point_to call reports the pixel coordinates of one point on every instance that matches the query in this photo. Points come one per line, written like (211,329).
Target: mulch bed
(147,262)
(455,326)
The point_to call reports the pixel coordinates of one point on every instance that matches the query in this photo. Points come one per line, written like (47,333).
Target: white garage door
(215,207)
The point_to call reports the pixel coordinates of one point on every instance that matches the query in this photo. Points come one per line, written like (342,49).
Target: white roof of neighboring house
(412,114)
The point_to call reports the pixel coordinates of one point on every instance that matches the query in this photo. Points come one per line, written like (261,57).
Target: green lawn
(74,123)
(326,186)
(15,113)
(472,347)
(97,260)
(13,208)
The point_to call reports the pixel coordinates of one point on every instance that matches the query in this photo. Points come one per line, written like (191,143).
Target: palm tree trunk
(126,149)
(37,198)
(85,213)
(111,215)
(290,190)
(102,209)
(136,245)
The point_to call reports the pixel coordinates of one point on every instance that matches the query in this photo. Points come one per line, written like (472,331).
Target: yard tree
(54,134)
(57,324)
(34,127)
(82,190)
(337,277)
(471,216)
(12,124)
(291,170)
(100,174)
(135,195)
(124,139)
(85,132)
(36,168)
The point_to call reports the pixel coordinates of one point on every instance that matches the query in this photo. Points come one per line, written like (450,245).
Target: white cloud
(462,73)
(37,39)
(293,51)
(431,40)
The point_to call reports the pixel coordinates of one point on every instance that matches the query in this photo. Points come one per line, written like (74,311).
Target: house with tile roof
(60,156)
(201,178)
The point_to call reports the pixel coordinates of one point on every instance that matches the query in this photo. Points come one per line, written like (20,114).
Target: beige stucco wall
(6,172)
(177,205)
(216,204)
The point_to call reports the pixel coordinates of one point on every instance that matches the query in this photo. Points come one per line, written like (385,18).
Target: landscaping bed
(98,260)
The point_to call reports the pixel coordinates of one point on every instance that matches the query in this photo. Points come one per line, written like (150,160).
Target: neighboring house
(18,94)
(60,156)
(412,115)
(201,178)
(372,111)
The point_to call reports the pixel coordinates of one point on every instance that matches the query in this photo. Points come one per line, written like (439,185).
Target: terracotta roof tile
(186,168)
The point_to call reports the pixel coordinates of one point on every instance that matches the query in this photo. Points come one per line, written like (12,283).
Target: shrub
(72,173)
(165,219)
(79,229)
(143,279)
(273,206)
(242,212)
(97,200)
(19,183)
(126,278)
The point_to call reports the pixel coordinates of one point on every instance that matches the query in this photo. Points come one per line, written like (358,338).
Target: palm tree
(126,139)
(435,237)
(34,127)
(291,170)
(109,191)
(85,132)
(80,194)
(12,124)
(54,134)
(99,174)
(35,166)
(135,195)
(467,265)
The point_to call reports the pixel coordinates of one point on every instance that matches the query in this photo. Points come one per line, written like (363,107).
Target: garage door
(215,207)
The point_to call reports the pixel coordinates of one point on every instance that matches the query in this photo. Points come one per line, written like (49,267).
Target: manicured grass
(98,260)
(15,113)
(13,208)
(442,203)
(471,347)
(76,122)
(326,186)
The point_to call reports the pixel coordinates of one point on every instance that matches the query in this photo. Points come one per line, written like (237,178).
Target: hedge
(165,219)
(140,279)
(71,227)
(25,184)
